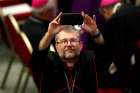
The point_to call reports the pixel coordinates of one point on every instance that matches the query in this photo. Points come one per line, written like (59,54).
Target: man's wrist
(96,34)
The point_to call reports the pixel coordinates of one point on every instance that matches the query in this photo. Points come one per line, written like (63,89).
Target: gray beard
(70,55)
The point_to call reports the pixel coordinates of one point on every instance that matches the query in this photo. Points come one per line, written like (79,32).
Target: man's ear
(81,45)
(107,13)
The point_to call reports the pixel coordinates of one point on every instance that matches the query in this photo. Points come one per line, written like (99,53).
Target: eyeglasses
(72,41)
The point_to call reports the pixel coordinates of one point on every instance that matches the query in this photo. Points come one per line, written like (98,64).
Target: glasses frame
(72,41)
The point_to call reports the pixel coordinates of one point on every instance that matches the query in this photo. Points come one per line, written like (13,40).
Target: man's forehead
(67,34)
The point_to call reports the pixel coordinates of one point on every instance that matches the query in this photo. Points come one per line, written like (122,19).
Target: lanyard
(70,88)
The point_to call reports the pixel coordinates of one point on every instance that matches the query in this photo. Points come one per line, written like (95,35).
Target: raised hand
(89,24)
(54,25)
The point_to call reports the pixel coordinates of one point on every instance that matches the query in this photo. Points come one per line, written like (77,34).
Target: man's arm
(90,26)
(97,37)
(54,27)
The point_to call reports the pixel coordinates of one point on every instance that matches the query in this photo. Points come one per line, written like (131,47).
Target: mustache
(69,48)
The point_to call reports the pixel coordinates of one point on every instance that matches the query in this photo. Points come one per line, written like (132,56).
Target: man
(35,26)
(121,34)
(70,69)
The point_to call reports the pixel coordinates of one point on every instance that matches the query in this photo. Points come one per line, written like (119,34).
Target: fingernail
(94,17)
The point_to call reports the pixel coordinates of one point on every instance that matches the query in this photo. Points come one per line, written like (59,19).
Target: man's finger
(94,17)
(57,18)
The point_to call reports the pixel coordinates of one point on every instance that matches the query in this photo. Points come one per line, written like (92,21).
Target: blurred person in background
(35,26)
(122,35)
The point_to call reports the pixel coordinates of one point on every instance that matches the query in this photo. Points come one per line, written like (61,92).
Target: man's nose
(68,42)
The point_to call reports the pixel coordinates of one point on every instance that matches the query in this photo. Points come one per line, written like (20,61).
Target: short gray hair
(69,28)
(44,7)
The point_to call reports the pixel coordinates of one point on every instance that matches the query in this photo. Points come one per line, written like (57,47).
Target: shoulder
(87,52)
(87,55)
(44,58)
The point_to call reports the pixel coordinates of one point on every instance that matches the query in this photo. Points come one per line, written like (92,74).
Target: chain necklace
(70,89)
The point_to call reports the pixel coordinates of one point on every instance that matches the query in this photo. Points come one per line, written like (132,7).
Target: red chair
(20,11)
(4,3)
(20,45)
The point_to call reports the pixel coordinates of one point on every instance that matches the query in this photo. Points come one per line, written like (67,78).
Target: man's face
(106,13)
(68,45)
(49,13)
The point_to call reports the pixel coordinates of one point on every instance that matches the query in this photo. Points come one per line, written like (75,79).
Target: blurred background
(14,54)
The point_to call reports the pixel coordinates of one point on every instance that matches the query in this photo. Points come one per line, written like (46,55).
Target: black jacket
(121,33)
(35,28)
(49,73)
